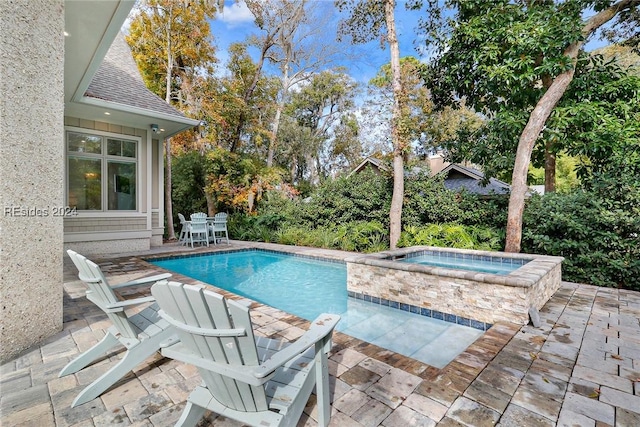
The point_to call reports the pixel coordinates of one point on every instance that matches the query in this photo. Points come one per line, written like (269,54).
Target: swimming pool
(307,287)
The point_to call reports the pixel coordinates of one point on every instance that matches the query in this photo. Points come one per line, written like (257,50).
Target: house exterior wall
(125,231)
(31,172)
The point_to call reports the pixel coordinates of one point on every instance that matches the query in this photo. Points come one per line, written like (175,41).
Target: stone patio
(580,368)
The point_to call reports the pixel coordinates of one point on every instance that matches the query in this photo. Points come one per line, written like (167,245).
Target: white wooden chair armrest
(320,328)
(205,332)
(142,281)
(241,372)
(120,305)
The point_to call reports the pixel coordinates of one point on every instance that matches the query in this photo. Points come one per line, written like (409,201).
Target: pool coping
(525,276)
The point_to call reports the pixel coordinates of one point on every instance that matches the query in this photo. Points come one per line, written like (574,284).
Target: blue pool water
(308,287)
(449,260)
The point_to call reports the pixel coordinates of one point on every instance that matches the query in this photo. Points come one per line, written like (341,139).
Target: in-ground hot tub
(488,295)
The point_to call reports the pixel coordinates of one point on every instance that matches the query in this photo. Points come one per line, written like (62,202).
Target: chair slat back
(182,218)
(220,217)
(199,223)
(101,293)
(196,307)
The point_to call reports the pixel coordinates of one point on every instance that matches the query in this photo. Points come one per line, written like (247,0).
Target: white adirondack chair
(141,334)
(260,382)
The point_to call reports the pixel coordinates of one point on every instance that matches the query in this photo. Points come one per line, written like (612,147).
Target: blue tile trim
(422,311)
(445,255)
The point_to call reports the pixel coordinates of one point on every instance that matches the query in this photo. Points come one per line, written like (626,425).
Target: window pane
(114,147)
(83,143)
(85,183)
(129,149)
(121,147)
(121,186)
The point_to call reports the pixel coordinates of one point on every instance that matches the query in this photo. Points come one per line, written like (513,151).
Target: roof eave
(136,117)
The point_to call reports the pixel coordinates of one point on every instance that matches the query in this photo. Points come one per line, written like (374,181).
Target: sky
(236,22)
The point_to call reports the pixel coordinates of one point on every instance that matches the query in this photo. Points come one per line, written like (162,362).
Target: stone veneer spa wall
(484,297)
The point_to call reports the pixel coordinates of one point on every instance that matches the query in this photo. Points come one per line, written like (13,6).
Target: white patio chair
(257,381)
(185,230)
(141,334)
(199,229)
(219,227)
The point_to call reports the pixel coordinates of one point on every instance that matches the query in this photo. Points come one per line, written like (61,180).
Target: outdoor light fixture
(154,128)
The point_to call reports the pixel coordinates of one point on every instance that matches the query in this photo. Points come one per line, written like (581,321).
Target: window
(102,172)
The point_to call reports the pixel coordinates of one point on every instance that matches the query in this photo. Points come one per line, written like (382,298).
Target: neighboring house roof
(372,162)
(459,178)
(119,81)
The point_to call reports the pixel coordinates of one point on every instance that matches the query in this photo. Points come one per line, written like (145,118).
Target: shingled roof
(119,81)
(459,178)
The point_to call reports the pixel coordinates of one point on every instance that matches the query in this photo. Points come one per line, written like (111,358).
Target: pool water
(493,266)
(308,287)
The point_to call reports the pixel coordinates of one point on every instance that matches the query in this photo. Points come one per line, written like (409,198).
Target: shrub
(362,236)
(451,236)
(597,235)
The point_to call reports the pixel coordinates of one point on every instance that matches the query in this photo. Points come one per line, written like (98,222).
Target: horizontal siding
(155,219)
(83,225)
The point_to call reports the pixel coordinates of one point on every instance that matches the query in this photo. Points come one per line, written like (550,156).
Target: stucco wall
(31,172)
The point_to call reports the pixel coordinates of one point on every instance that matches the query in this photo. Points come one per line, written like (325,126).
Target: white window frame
(105,158)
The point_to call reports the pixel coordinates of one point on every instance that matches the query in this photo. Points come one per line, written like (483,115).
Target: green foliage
(253,228)
(566,174)
(361,197)
(362,236)
(595,230)
(188,184)
(427,201)
(500,57)
(451,236)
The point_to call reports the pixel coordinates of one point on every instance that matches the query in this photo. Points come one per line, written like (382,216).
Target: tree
(368,20)
(418,114)
(320,106)
(507,57)
(171,42)
(268,19)
(301,50)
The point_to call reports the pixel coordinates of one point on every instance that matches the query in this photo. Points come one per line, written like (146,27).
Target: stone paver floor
(581,367)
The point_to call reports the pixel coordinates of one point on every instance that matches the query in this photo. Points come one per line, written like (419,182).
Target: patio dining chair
(257,381)
(142,334)
(185,230)
(219,227)
(199,229)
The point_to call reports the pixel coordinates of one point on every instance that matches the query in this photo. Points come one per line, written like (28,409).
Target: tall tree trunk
(273,143)
(395,213)
(211,203)
(549,168)
(537,120)
(168,200)
(549,152)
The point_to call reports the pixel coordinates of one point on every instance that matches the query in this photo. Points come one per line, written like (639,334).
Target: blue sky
(235,23)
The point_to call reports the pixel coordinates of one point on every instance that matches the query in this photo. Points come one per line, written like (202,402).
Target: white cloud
(235,14)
